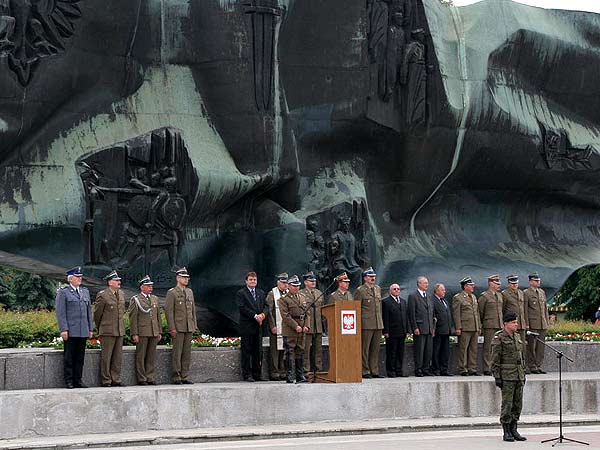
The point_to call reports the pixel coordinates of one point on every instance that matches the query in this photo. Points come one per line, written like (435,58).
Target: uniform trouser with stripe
(535,350)
(371,343)
(467,351)
(112,356)
(145,357)
(182,353)
(74,354)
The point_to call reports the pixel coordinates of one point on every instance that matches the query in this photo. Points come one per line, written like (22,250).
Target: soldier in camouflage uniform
(508,367)
(296,324)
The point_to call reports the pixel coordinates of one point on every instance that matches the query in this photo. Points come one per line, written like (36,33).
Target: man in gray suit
(420,316)
(74,317)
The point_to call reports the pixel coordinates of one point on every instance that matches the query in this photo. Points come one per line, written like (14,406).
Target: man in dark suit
(444,327)
(395,328)
(253,310)
(420,317)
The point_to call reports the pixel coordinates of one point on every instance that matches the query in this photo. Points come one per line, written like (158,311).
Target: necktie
(397,300)
(77,291)
(253,295)
(444,303)
(424,295)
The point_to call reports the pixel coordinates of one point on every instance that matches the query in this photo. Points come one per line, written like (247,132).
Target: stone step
(313,429)
(61,412)
(38,368)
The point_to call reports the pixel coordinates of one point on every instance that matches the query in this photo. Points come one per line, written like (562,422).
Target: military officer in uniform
(465,314)
(513,300)
(74,317)
(508,367)
(369,296)
(180,310)
(490,313)
(538,321)
(276,364)
(295,314)
(146,327)
(109,310)
(314,337)
(342,294)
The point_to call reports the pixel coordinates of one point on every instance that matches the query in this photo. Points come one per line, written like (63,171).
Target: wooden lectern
(345,353)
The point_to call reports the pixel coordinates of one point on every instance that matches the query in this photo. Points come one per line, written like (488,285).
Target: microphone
(532,333)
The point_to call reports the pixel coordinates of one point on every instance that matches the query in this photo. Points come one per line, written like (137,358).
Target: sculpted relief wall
(287,135)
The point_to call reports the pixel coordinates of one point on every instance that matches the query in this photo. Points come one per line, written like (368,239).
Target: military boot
(508,437)
(300,378)
(515,433)
(289,365)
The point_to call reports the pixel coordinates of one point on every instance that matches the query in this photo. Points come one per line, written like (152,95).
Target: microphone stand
(560,355)
(313,305)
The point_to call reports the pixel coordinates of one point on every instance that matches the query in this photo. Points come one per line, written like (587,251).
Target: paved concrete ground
(365,433)
(432,440)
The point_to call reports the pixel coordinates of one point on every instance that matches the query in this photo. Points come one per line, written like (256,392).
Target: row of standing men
(76,323)
(296,329)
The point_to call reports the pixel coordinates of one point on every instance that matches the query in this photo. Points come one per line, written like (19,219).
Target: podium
(345,351)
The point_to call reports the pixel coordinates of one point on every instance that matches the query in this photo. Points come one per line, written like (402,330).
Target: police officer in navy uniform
(74,316)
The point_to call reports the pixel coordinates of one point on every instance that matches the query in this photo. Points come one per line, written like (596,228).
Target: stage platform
(62,412)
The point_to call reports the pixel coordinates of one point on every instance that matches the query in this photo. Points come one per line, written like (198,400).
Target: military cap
(513,278)
(112,276)
(283,277)
(494,279)
(294,280)
(509,317)
(182,273)
(146,280)
(534,276)
(75,271)
(342,277)
(369,272)
(309,276)
(467,280)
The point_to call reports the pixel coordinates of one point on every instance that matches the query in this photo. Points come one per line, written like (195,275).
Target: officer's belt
(301,317)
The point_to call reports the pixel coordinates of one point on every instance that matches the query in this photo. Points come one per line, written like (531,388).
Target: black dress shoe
(403,375)
(474,374)
(446,374)
(419,374)
(69,386)
(80,385)
(152,383)
(391,375)
(464,374)
(378,376)
(177,382)
(258,378)
(274,378)
(541,371)
(367,375)
(142,383)
(186,382)
(249,379)
(117,383)
(427,374)
(487,373)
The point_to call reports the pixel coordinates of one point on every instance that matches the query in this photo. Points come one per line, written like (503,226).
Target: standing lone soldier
(513,300)
(395,329)
(508,367)
(74,317)
(144,315)
(420,316)
(296,319)
(468,326)
(253,310)
(314,297)
(180,310)
(444,327)
(490,312)
(109,310)
(276,367)
(538,321)
(342,294)
(369,295)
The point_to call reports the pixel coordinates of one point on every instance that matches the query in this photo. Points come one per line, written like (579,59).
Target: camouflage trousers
(512,401)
